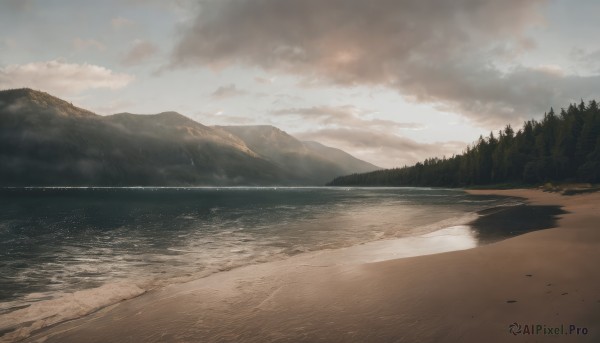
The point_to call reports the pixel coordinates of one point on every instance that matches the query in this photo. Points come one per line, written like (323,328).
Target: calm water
(60,240)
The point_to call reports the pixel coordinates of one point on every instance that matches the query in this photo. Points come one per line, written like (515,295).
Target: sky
(390,81)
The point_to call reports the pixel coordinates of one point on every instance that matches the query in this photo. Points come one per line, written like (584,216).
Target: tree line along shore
(562,147)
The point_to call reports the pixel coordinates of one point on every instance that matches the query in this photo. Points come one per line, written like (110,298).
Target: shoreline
(89,301)
(449,234)
(397,299)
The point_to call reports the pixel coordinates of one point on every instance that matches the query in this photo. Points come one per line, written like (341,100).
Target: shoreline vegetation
(564,188)
(562,147)
(547,277)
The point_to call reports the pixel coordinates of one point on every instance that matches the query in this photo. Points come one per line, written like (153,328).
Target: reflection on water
(499,222)
(61,240)
(453,238)
(458,237)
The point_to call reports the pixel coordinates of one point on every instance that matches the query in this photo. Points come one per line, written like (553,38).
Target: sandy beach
(370,293)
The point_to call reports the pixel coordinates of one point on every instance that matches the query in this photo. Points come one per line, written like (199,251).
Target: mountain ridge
(46,141)
(41,101)
(295,156)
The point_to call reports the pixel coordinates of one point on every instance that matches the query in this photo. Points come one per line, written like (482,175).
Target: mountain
(299,159)
(563,147)
(46,141)
(341,157)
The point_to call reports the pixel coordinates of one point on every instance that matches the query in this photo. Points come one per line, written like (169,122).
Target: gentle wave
(89,240)
(21,323)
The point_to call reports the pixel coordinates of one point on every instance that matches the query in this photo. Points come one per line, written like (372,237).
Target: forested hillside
(46,141)
(560,147)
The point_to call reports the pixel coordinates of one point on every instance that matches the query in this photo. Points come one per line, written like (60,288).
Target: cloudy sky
(390,81)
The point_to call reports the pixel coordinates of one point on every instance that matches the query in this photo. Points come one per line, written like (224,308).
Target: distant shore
(548,278)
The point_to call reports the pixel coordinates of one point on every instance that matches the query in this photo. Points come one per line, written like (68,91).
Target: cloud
(61,78)
(7,43)
(375,140)
(173,5)
(459,55)
(219,117)
(84,44)
(120,23)
(264,80)
(347,116)
(139,52)
(19,5)
(282,98)
(381,148)
(225,92)
(113,106)
(587,60)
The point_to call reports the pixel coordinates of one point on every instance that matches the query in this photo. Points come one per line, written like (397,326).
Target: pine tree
(563,147)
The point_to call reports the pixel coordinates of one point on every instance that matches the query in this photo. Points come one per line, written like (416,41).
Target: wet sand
(549,277)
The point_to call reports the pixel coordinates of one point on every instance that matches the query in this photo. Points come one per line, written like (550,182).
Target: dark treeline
(563,147)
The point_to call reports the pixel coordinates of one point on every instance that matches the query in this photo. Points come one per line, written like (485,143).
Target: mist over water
(60,240)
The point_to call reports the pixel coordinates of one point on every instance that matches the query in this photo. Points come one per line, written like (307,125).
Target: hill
(46,141)
(297,158)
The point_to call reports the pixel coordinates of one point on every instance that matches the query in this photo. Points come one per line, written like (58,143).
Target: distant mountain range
(46,141)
